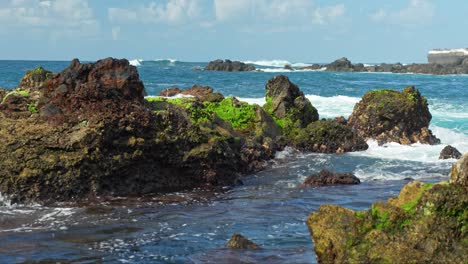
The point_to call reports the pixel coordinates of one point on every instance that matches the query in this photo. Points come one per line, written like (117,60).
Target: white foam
(278,63)
(328,107)
(4,201)
(171,97)
(418,152)
(136,62)
(287,70)
(169,60)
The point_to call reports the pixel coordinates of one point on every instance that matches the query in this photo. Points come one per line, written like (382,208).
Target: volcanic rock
(227,65)
(392,116)
(449,152)
(325,177)
(238,241)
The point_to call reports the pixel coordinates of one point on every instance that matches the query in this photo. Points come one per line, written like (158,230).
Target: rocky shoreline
(89,131)
(345,65)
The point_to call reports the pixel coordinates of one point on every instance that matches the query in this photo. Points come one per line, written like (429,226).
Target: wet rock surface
(393,116)
(450,152)
(237,241)
(228,65)
(325,178)
(426,223)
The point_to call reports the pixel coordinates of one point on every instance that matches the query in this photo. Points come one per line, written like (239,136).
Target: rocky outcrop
(288,105)
(426,223)
(204,93)
(35,78)
(392,116)
(328,136)
(228,65)
(459,173)
(88,131)
(238,241)
(325,178)
(460,66)
(449,152)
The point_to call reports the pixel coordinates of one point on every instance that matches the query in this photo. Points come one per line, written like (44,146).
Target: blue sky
(202,30)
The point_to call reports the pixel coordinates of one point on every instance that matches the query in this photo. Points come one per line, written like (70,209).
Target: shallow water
(270,208)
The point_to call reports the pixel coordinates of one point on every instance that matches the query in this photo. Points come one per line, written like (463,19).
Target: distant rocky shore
(344,65)
(89,131)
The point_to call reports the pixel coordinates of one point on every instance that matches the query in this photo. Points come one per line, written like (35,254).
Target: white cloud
(58,17)
(417,12)
(277,12)
(329,13)
(172,12)
(115,33)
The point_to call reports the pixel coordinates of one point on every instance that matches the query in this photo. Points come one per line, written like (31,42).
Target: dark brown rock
(227,65)
(449,152)
(392,116)
(325,178)
(238,241)
(170,92)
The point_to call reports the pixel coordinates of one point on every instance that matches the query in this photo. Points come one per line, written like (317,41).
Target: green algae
(33,108)
(410,207)
(17,92)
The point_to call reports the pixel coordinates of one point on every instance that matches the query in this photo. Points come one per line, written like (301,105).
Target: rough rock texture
(342,64)
(89,131)
(238,241)
(325,177)
(288,105)
(169,92)
(392,116)
(227,65)
(459,173)
(203,93)
(328,136)
(426,223)
(450,152)
(35,78)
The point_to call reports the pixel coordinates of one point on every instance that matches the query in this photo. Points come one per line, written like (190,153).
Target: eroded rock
(393,116)
(325,177)
(449,152)
(228,65)
(237,241)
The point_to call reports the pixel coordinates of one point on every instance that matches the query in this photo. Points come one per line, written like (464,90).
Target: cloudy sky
(201,30)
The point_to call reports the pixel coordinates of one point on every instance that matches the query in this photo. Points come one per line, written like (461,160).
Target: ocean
(270,208)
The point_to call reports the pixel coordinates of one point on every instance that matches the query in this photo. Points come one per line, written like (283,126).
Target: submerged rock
(392,116)
(449,152)
(325,177)
(288,105)
(238,241)
(227,65)
(426,223)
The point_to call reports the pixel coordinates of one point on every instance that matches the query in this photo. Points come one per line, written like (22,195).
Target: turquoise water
(192,227)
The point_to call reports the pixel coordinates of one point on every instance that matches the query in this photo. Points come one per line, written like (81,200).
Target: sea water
(270,208)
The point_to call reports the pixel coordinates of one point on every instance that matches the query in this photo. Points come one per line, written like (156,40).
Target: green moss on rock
(425,223)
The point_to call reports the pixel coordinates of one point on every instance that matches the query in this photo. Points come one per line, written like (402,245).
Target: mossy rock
(288,106)
(426,223)
(328,136)
(35,78)
(393,116)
